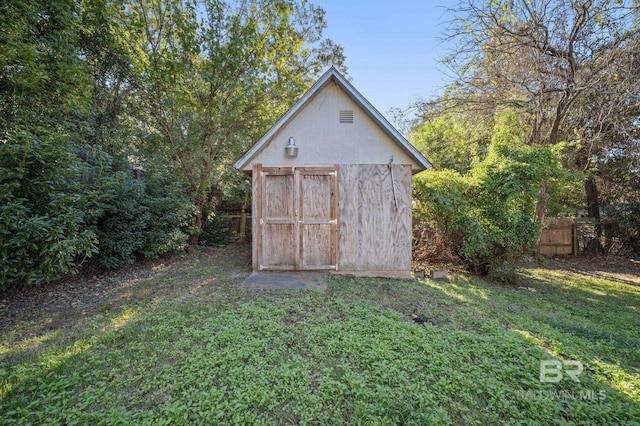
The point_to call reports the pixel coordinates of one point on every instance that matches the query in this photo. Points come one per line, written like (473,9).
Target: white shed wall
(323,141)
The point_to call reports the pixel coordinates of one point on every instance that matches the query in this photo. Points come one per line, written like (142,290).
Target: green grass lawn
(178,343)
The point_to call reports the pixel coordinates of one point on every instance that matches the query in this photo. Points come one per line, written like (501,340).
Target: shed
(331,187)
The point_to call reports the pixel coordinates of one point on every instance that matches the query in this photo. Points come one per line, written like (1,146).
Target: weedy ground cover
(176,342)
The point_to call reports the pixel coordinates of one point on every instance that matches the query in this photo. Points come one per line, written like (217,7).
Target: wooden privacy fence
(558,238)
(237,222)
(577,235)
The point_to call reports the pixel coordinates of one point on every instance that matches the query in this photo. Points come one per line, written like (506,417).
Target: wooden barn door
(317,222)
(277,220)
(297,219)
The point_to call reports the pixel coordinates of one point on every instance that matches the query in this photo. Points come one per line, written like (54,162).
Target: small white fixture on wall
(291,150)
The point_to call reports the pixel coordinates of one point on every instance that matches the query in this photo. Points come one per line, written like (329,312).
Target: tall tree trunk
(197,225)
(593,203)
(541,208)
(197,222)
(591,197)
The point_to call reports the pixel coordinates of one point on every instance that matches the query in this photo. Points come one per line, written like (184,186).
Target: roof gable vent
(346,116)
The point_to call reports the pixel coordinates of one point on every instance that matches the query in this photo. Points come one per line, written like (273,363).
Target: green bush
(491,211)
(58,208)
(169,212)
(135,218)
(214,230)
(120,228)
(42,230)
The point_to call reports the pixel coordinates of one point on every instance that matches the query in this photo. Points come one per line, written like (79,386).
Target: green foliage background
(555,73)
(119,119)
(489,213)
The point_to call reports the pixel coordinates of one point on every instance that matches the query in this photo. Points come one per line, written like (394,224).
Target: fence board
(557,238)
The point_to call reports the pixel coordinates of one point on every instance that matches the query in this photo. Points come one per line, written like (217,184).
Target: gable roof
(332,75)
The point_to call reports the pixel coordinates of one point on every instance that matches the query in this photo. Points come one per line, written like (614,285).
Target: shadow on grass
(36,319)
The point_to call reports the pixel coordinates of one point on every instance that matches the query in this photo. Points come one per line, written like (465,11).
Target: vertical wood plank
(335,229)
(403,226)
(278,220)
(348,216)
(374,183)
(374,235)
(256,215)
(296,230)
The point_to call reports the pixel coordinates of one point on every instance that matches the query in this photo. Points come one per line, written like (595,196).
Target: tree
(568,65)
(210,75)
(43,103)
(452,136)
(488,213)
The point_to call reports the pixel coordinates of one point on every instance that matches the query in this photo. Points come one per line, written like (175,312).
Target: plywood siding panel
(373,215)
(348,207)
(375,235)
(401,231)
(316,246)
(256,203)
(316,197)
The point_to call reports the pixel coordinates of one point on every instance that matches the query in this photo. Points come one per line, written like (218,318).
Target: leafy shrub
(214,230)
(491,211)
(169,213)
(41,220)
(120,228)
(137,217)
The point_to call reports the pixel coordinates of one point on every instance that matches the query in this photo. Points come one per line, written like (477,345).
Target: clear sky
(392,47)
